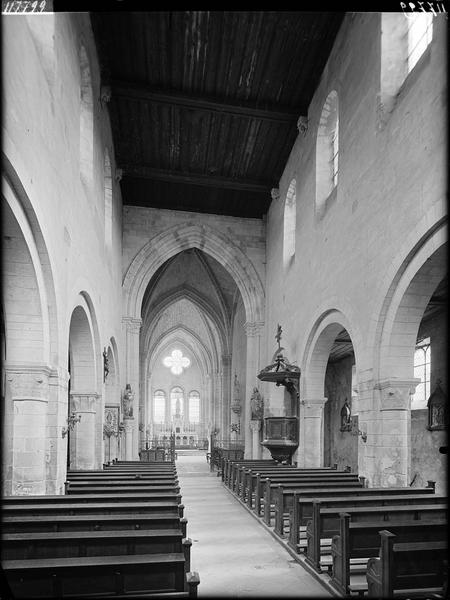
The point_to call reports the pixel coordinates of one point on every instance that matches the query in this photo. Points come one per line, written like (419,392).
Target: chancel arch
(178,238)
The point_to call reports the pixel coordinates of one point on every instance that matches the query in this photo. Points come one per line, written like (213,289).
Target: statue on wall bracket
(127,403)
(256,405)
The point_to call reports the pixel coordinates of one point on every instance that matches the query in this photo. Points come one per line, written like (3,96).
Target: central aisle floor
(233,554)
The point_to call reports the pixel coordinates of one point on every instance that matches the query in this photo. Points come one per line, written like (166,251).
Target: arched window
(86,120)
(420,34)
(108,202)
(159,406)
(327,151)
(290,216)
(422,370)
(194,407)
(404,38)
(176,403)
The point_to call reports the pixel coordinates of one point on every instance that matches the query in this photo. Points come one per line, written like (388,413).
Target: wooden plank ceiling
(204,105)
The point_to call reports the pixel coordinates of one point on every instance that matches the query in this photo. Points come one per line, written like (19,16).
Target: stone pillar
(226,395)
(393,439)
(311,446)
(82,436)
(255,427)
(132,363)
(129,447)
(253,332)
(56,456)
(25,429)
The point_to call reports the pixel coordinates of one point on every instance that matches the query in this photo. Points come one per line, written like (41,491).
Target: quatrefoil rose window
(176,362)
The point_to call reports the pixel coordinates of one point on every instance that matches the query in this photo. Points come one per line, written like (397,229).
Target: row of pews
(117,532)
(381,542)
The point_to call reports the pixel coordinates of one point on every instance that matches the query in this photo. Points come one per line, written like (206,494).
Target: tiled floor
(233,554)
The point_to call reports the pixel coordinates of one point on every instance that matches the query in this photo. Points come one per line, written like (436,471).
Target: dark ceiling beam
(143,172)
(126,90)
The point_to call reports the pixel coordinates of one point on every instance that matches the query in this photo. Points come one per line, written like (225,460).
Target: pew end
(192,582)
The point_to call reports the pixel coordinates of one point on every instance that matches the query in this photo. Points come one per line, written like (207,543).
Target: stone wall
(61,218)
(352,257)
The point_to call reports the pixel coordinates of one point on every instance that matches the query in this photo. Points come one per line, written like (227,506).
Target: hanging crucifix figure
(278,335)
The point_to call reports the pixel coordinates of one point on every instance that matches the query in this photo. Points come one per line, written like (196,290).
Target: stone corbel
(275,194)
(105,95)
(302,124)
(118,174)
(396,393)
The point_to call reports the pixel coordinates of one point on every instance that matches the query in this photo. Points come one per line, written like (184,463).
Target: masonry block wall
(350,256)
(49,62)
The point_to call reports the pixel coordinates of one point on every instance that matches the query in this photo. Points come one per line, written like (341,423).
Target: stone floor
(235,556)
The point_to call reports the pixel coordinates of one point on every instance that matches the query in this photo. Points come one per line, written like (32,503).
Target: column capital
(83,402)
(313,407)
(27,381)
(132,324)
(253,329)
(255,424)
(396,393)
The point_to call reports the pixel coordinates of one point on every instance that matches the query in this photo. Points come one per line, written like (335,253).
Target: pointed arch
(178,238)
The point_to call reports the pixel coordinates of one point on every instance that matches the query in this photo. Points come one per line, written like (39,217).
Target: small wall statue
(256,405)
(128,398)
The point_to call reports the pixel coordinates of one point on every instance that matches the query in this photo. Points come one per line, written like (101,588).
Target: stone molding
(28,381)
(255,425)
(396,393)
(253,329)
(83,402)
(313,407)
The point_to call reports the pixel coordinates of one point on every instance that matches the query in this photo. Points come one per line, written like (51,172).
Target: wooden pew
(321,484)
(171,506)
(259,481)
(325,521)
(302,506)
(64,544)
(117,488)
(361,541)
(98,522)
(228,464)
(408,569)
(122,475)
(102,576)
(235,466)
(83,498)
(250,478)
(246,476)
